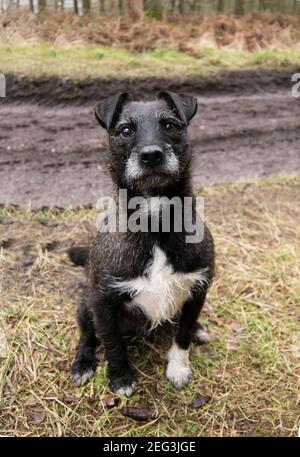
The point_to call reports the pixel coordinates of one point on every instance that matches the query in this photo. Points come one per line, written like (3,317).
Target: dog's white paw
(126,391)
(178,369)
(80,379)
(178,376)
(201,336)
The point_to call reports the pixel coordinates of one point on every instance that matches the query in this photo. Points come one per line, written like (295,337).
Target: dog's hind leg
(200,336)
(85,362)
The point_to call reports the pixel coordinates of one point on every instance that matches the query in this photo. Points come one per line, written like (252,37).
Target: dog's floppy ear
(185,106)
(109,108)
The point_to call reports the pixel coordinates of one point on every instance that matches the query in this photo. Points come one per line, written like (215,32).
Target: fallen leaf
(35,414)
(49,222)
(110,402)
(138,414)
(200,401)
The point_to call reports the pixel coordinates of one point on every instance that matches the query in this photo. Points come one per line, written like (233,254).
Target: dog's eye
(170,126)
(126,131)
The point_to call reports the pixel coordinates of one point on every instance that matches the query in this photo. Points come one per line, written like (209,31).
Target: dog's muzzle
(152,166)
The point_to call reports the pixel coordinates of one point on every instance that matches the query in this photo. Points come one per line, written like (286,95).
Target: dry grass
(250,369)
(252,32)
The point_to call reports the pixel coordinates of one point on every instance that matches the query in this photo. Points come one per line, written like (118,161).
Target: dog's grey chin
(153,181)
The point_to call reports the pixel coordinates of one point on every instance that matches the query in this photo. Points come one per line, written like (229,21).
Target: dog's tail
(79,255)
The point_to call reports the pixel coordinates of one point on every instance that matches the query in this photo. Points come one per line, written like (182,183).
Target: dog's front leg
(120,373)
(178,369)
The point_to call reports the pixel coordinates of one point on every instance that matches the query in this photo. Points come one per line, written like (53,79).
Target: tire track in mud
(56,156)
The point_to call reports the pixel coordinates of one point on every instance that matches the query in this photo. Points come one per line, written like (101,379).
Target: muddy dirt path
(55,156)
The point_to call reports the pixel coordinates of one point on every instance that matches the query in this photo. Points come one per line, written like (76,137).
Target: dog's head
(149,145)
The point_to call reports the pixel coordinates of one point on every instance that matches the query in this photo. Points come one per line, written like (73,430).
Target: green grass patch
(94,61)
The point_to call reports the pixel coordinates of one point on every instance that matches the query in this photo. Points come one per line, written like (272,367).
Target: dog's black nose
(151,156)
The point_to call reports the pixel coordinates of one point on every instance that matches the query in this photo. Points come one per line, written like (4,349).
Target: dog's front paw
(82,372)
(123,386)
(179,376)
(178,369)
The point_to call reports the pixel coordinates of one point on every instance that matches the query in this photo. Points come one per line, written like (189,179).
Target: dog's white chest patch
(160,292)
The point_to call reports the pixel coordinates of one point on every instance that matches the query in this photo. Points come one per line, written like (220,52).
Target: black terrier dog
(139,279)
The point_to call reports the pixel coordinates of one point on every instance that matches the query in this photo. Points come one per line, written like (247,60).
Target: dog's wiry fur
(140,280)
